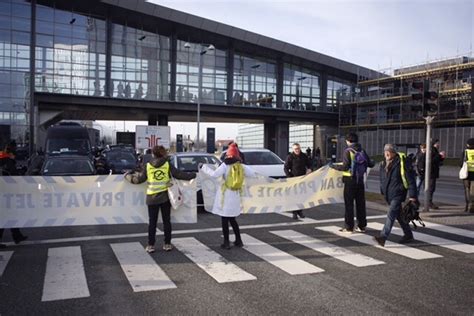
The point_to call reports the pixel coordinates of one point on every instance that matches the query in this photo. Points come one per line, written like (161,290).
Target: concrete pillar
(322,136)
(161,120)
(276,137)
(280,75)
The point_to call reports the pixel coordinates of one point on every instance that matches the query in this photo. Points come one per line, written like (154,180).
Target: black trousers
(235,228)
(432,188)
(153,211)
(16,234)
(354,191)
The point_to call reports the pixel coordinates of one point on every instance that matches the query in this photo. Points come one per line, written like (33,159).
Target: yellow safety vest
(348,173)
(470,159)
(157,178)
(402,170)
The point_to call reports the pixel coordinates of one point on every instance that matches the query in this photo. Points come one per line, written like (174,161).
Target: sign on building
(149,136)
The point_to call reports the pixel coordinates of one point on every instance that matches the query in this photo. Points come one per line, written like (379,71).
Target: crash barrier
(40,201)
(267,195)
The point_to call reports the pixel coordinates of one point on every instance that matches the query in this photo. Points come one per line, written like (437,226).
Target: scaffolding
(382,110)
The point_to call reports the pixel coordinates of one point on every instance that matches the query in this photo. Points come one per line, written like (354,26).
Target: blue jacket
(391,183)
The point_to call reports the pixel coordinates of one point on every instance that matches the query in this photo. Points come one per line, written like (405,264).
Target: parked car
(264,162)
(67,165)
(189,162)
(119,161)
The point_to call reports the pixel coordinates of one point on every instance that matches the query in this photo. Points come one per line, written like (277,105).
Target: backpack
(235,178)
(359,164)
(410,213)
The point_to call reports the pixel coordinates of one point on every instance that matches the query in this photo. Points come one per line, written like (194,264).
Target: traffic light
(417,96)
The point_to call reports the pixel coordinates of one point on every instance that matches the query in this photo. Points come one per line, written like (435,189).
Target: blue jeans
(419,183)
(394,214)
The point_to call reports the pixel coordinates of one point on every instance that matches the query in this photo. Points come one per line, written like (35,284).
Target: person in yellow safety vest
(397,178)
(468,156)
(157,174)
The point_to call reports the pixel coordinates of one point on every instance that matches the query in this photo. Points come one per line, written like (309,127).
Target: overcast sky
(378,34)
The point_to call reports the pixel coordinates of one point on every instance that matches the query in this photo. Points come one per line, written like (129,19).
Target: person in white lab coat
(227,203)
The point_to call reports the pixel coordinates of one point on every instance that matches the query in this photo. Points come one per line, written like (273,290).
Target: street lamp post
(205,50)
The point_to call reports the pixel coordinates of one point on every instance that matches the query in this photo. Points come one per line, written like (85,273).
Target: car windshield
(191,163)
(67,167)
(262,158)
(70,145)
(120,156)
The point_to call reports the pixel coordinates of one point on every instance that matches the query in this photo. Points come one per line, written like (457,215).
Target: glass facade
(70,53)
(250,136)
(301,89)
(255,82)
(214,73)
(140,64)
(71,58)
(14,70)
(337,92)
(302,134)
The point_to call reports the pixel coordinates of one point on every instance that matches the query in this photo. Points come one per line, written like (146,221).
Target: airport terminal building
(133,60)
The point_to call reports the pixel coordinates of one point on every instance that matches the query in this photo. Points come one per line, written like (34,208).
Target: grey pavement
(401,285)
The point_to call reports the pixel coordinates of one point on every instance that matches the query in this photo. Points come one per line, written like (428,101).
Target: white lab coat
(232,200)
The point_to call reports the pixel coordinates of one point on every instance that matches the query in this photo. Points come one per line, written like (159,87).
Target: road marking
(211,262)
(451,230)
(334,251)
(142,272)
(5,256)
(277,257)
(179,232)
(65,276)
(446,243)
(399,249)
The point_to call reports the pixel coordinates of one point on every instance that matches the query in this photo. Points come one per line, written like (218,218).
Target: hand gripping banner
(36,201)
(267,195)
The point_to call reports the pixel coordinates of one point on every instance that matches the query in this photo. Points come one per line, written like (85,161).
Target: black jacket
(391,184)
(296,166)
(347,161)
(162,197)
(436,162)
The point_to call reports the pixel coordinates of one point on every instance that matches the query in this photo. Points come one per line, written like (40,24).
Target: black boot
(380,240)
(225,245)
(300,213)
(3,246)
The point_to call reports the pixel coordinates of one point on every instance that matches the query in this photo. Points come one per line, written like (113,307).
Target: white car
(264,162)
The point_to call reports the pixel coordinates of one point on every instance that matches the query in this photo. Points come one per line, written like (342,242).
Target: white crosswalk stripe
(211,262)
(141,270)
(334,251)
(277,257)
(65,276)
(399,249)
(4,258)
(451,230)
(446,243)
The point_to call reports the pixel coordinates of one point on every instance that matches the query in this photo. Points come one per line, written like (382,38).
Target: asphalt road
(369,280)
(448,191)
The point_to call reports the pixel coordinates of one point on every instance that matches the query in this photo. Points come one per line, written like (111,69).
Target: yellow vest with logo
(348,173)
(157,178)
(470,159)
(402,170)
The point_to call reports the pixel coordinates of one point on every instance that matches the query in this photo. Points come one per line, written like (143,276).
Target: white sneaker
(359,230)
(168,247)
(150,249)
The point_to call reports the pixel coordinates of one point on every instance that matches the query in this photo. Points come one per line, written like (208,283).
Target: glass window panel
(21,10)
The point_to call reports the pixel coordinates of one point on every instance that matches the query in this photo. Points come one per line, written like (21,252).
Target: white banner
(87,200)
(267,195)
(148,136)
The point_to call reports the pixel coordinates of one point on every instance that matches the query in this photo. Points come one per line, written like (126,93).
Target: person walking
(297,164)
(397,179)
(437,158)
(355,162)
(227,203)
(468,157)
(420,167)
(157,174)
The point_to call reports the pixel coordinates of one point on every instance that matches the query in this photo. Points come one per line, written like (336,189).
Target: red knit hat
(232,152)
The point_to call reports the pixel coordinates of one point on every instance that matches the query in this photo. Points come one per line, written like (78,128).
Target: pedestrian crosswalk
(66,278)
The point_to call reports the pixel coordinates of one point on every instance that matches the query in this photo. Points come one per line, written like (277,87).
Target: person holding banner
(227,203)
(355,162)
(297,164)
(158,173)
